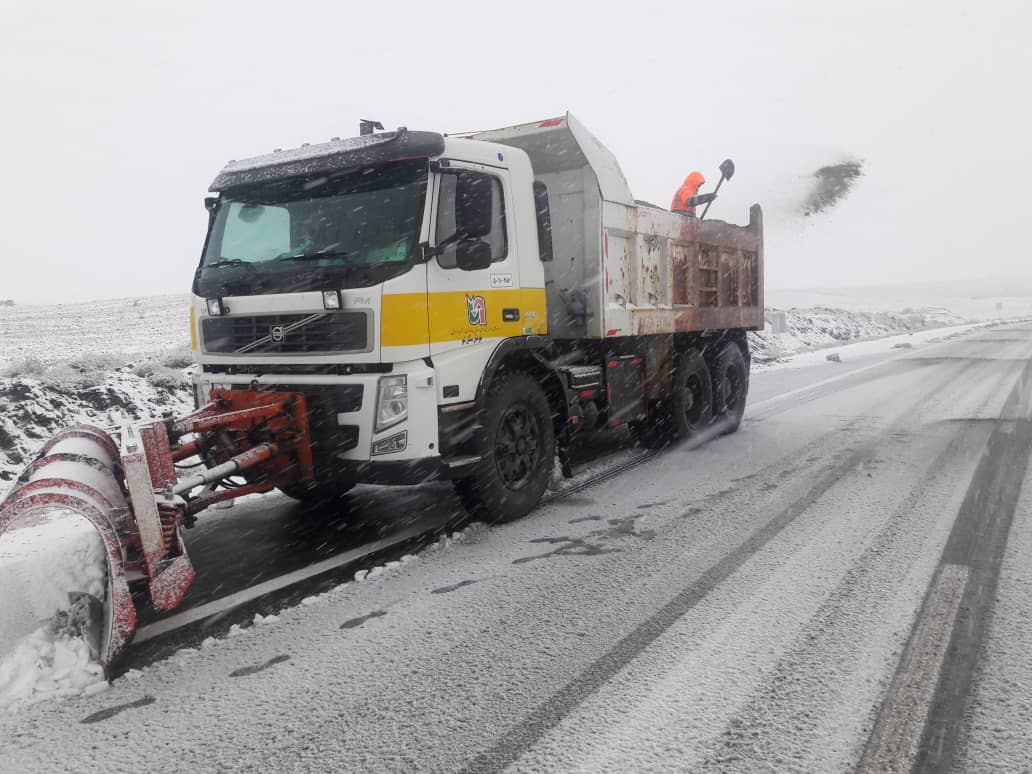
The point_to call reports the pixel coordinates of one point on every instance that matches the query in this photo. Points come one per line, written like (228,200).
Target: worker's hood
(695,178)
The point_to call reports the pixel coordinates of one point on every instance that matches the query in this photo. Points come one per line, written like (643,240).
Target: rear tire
(512,475)
(691,399)
(730,387)
(686,411)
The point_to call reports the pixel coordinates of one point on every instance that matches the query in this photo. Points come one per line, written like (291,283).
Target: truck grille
(287,333)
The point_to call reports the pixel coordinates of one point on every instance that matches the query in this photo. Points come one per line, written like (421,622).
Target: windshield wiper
(229,262)
(259,283)
(314,256)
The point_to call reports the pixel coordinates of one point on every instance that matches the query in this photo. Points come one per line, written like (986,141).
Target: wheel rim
(731,388)
(694,399)
(516,446)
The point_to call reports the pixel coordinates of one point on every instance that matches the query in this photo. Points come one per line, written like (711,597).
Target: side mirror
(727,169)
(472,255)
(211,203)
(473,204)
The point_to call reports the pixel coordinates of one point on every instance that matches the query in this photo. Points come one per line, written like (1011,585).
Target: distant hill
(977,299)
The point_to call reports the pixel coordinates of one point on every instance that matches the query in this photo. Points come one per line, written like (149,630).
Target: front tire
(511,477)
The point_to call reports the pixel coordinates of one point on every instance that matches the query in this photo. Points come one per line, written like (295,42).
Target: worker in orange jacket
(688,189)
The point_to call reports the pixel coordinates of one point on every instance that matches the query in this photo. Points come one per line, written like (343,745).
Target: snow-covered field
(34,337)
(979,299)
(817,328)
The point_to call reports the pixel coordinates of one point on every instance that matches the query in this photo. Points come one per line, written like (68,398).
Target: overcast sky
(116,117)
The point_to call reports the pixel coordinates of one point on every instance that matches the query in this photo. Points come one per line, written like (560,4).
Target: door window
(471,183)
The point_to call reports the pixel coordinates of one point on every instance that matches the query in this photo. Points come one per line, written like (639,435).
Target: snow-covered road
(781,599)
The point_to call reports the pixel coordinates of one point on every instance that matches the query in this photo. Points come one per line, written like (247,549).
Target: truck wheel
(691,399)
(730,387)
(517,463)
(688,408)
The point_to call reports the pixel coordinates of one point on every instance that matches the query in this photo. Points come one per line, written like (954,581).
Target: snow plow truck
(405,306)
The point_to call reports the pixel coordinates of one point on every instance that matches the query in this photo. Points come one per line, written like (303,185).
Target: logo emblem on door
(276,333)
(476,310)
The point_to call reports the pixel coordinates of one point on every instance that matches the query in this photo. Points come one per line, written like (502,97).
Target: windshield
(352,229)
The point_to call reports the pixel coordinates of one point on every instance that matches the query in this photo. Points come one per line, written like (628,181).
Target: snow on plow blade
(75,472)
(124,481)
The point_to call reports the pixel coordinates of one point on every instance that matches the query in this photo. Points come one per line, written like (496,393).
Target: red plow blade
(125,482)
(76,472)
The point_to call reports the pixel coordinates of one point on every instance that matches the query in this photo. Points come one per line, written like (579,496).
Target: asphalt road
(840,586)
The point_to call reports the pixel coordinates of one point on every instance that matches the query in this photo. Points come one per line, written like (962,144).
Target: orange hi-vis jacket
(688,189)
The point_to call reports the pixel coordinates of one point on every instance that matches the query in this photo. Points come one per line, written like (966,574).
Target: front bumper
(342,410)
(397,472)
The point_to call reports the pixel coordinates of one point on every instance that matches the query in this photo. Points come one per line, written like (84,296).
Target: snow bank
(67,363)
(39,566)
(35,405)
(809,329)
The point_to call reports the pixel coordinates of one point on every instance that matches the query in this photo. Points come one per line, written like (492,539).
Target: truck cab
(376,275)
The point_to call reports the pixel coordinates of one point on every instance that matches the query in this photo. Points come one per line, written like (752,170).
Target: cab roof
(332,156)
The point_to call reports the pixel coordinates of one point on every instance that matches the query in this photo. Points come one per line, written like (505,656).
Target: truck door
(473,283)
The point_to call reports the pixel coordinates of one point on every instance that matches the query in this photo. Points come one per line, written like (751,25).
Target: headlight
(215,307)
(391,401)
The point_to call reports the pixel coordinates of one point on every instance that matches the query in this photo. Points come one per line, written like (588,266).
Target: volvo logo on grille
(276,333)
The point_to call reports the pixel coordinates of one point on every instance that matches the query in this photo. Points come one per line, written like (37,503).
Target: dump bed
(622,267)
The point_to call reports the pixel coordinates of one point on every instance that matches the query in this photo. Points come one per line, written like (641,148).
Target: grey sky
(118,115)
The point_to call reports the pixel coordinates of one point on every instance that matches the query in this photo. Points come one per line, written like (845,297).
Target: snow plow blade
(125,480)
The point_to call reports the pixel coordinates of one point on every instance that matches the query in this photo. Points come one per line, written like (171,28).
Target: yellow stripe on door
(193,328)
(415,318)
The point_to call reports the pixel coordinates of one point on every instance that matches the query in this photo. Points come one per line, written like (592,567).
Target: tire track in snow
(976,546)
(729,655)
(802,698)
(547,716)
(796,704)
(253,670)
(792,399)
(110,712)
(454,586)
(354,623)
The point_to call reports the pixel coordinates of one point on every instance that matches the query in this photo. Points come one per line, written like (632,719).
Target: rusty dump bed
(667,272)
(622,268)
